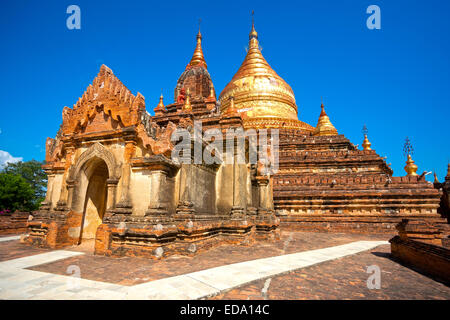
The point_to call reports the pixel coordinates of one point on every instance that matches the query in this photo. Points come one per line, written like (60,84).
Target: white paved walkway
(19,283)
(9,238)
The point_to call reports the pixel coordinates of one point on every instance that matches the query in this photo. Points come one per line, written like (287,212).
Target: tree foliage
(15,193)
(32,174)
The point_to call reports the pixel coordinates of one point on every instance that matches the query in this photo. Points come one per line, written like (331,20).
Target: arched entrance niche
(95,176)
(95,199)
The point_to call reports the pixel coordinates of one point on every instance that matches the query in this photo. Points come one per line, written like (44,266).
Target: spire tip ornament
(253,34)
(160,107)
(408,150)
(197,57)
(366,143)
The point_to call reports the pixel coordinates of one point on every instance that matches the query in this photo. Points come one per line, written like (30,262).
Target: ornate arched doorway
(94,180)
(95,199)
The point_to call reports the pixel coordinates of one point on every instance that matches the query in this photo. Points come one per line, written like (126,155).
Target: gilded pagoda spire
(195,77)
(197,57)
(258,91)
(324,126)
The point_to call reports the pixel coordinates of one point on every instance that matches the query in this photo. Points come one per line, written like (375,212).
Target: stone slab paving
(345,278)
(10,238)
(19,283)
(130,271)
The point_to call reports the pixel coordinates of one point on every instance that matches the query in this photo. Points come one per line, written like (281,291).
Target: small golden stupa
(324,126)
(160,107)
(366,143)
(411,167)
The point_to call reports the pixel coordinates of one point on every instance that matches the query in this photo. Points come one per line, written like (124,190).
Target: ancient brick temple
(112,177)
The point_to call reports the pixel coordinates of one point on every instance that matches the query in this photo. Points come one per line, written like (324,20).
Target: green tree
(34,175)
(15,193)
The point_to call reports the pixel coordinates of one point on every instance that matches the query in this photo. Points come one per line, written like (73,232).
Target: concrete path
(9,238)
(19,283)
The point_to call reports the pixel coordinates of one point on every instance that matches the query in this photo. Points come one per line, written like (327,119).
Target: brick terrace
(343,278)
(133,270)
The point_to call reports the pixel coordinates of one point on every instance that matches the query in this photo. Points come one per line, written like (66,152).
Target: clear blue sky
(395,80)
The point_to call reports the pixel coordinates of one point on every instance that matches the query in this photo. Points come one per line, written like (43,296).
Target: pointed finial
(199,34)
(322,111)
(160,107)
(407,147)
(197,57)
(365,131)
(253,33)
(408,150)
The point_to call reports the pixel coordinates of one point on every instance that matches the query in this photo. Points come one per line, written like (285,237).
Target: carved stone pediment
(99,151)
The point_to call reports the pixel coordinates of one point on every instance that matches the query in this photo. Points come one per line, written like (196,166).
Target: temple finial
(407,147)
(253,33)
(197,57)
(408,150)
(160,107)
(366,143)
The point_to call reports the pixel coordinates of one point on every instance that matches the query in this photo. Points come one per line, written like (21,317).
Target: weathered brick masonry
(13,223)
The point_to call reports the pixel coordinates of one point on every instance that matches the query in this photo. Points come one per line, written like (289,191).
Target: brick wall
(13,223)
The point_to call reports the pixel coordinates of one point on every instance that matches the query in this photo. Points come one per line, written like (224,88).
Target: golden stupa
(324,126)
(261,96)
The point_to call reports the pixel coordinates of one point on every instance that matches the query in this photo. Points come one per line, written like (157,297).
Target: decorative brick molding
(180,236)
